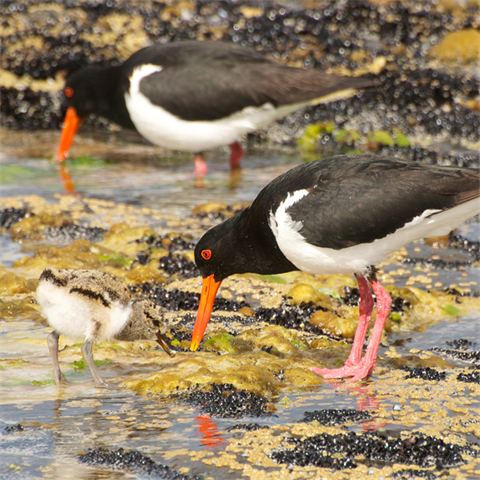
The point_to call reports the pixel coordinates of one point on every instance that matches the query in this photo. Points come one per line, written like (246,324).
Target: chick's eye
(69,92)
(206,254)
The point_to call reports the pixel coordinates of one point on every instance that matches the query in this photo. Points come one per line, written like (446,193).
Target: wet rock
(336,416)
(246,427)
(473,377)
(123,459)
(424,373)
(13,429)
(435,263)
(289,316)
(172,242)
(9,216)
(417,449)
(461,243)
(69,232)
(175,299)
(177,263)
(461,344)
(470,357)
(460,349)
(406,474)
(227,402)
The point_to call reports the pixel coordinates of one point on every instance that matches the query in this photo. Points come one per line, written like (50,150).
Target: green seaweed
(82,364)
(38,383)
(273,279)
(123,261)
(383,137)
(452,310)
(299,345)
(401,140)
(86,162)
(221,342)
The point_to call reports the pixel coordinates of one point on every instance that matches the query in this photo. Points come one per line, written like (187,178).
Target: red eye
(206,254)
(69,92)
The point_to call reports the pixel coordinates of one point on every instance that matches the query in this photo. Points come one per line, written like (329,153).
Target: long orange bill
(70,126)
(209,290)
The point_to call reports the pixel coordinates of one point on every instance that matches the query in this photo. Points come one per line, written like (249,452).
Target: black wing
(212,80)
(360,198)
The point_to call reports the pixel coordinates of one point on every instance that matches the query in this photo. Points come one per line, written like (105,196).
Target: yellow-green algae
(460,46)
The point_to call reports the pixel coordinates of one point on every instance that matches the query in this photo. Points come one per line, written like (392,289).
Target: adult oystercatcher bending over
(195,96)
(95,306)
(337,215)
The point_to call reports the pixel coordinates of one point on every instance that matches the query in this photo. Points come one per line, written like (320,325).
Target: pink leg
(356,367)
(236,153)
(201,168)
(366,307)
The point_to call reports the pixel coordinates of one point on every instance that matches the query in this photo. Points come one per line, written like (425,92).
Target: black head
(82,91)
(99,91)
(241,244)
(216,255)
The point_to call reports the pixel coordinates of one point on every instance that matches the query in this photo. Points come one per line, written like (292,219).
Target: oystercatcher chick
(195,96)
(335,216)
(96,307)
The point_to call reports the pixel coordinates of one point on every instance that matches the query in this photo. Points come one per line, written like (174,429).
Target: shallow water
(59,423)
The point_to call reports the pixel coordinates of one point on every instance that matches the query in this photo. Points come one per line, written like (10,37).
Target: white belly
(166,130)
(75,317)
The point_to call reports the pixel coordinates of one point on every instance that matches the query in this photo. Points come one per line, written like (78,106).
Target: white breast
(166,130)
(312,259)
(76,317)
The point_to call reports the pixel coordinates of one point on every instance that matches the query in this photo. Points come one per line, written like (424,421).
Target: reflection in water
(66,178)
(366,399)
(208,430)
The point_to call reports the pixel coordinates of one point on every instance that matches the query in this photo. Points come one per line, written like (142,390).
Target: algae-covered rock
(11,283)
(307,293)
(25,309)
(333,324)
(141,274)
(460,46)
(122,237)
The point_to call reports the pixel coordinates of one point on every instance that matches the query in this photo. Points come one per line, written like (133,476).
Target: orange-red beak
(70,126)
(209,290)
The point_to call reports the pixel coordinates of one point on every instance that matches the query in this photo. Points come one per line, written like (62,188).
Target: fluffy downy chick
(94,306)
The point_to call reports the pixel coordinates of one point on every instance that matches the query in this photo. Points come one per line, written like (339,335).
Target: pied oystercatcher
(337,215)
(195,95)
(96,307)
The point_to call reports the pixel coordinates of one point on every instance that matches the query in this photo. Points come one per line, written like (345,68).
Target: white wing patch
(312,259)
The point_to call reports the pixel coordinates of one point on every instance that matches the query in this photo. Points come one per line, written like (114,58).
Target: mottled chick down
(95,307)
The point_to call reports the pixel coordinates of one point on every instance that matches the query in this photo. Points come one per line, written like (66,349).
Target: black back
(356,199)
(200,81)
(212,80)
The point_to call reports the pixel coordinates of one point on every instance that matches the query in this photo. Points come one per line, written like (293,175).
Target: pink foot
(236,153)
(201,168)
(356,372)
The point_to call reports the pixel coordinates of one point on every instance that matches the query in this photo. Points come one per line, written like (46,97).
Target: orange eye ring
(206,254)
(69,92)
